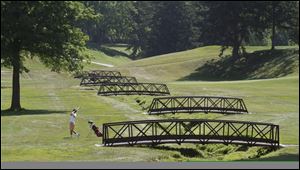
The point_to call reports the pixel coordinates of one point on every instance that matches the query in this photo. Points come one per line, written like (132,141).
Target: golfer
(73,116)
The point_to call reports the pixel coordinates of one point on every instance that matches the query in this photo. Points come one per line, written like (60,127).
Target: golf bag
(95,129)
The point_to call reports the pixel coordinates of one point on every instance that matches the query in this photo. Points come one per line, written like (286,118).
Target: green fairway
(40,133)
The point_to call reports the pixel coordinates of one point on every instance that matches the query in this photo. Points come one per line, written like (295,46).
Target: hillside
(106,56)
(204,64)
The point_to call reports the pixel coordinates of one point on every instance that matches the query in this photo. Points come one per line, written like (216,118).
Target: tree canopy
(43,29)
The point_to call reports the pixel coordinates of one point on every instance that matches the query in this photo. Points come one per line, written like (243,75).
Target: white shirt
(73,117)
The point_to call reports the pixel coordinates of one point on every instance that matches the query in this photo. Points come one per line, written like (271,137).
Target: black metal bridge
(99,80)
(103,73)
(152,89)
(190,104)
(154,132)
(98,73)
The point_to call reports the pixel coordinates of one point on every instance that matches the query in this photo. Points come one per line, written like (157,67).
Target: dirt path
(289,145)
(101,64)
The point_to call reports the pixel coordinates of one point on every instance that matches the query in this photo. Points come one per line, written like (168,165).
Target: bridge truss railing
(153,132)
(153,89)
(190,104)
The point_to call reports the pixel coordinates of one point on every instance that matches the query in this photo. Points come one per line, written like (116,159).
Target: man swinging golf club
(73,116)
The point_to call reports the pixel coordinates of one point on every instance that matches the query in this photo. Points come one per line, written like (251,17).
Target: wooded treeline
(158,27)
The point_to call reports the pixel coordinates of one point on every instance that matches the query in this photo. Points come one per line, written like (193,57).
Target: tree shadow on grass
(257,65)
(5,87)
(282,157)
(30,112)
(112,52)
(108,51)
(187,152)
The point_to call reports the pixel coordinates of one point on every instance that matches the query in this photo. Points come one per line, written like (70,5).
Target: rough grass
(40,133)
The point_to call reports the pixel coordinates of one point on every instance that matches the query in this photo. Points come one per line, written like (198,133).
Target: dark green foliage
(172,28)
(139,39)
(116,24)
(186,152)
(281,17)
(216,150)
(261,152)
(152,28)
(45,30)
(231,23)
(294,23)
(162,27)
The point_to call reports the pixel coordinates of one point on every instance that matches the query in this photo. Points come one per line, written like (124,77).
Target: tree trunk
(273,26)
(15,102)
(235,50)
(273,37)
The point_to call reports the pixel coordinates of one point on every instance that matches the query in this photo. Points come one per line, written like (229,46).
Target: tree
(116,23)
(294,23)
(281,15)
(230,23)
(45,30)
(199,12)
(140,36)
(171,28)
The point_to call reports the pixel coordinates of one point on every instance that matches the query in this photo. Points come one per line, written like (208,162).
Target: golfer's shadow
(68,138)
